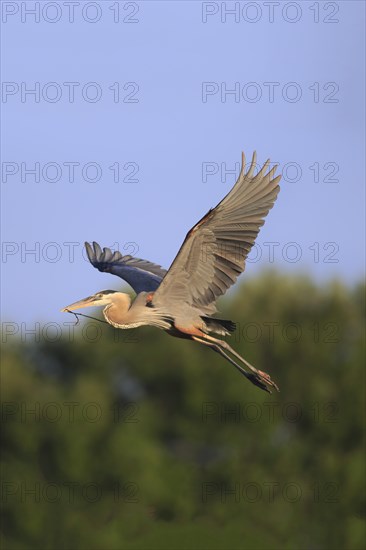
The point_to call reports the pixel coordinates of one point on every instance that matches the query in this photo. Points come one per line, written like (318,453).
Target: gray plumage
(212,256)
(214,251)
(139,274)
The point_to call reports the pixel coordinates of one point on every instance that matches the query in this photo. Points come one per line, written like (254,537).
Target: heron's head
(101,298)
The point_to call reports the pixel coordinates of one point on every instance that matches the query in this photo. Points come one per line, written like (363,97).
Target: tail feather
(220,326)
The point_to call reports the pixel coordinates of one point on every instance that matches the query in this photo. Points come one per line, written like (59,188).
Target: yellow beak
(86,302)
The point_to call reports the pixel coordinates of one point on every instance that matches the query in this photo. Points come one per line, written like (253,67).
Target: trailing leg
(263,376)
(253,377)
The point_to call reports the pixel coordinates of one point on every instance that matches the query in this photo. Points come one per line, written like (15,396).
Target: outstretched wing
(140,274)
(214,251)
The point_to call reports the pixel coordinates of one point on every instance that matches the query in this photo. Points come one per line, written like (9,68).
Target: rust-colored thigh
(191,330)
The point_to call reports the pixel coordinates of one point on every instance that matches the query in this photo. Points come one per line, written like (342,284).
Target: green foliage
(151,442)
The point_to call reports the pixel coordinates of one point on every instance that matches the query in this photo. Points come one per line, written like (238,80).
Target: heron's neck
(117,312)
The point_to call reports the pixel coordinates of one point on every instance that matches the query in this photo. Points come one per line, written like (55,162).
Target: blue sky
(152,100)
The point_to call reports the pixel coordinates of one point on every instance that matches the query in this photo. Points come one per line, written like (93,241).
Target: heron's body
(125,313)
(182,300)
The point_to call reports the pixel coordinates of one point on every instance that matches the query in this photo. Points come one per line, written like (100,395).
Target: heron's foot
(262,380)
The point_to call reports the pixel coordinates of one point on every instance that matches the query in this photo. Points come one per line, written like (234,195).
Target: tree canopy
(135,440)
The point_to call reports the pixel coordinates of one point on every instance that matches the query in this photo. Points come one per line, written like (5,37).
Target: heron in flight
(182,300)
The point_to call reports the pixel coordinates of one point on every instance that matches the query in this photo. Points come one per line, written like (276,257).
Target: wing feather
(214,251)
(141,275)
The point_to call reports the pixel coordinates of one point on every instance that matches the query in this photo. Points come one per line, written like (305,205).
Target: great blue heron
(182,300)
